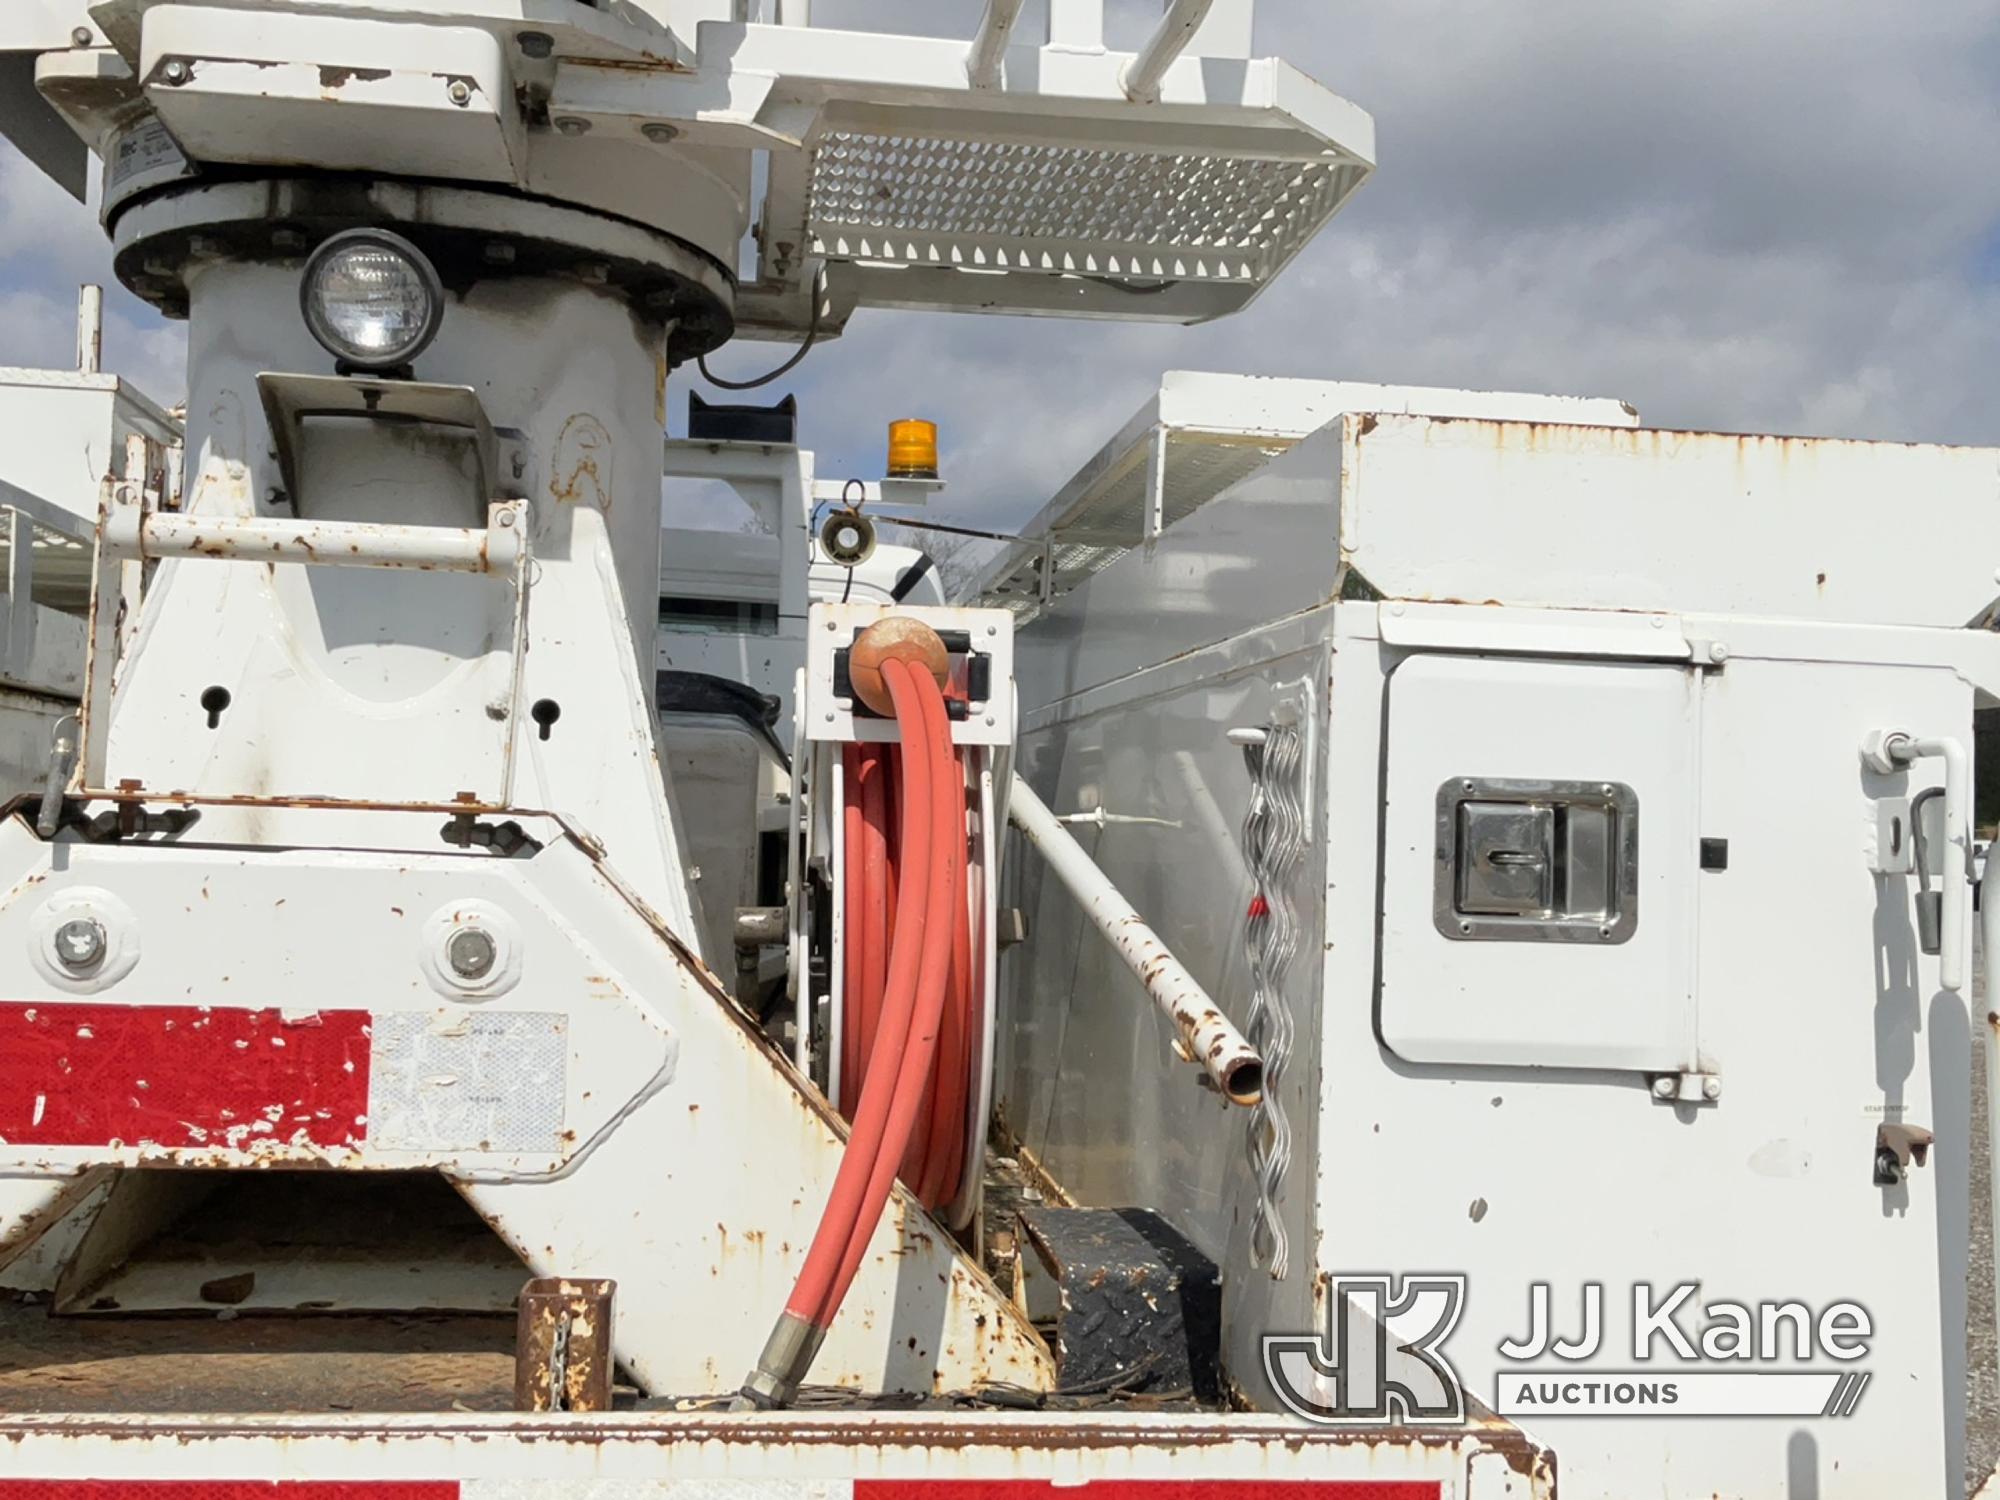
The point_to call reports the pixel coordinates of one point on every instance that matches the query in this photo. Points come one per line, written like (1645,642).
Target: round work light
(372,299)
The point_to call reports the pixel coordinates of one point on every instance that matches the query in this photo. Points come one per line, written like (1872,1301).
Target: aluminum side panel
(1089,1079)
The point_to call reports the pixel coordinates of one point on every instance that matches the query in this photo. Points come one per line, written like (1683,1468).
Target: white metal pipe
(130,532)
(989,42)
(90,329)
(1141,76)
(1207,1037)
(1957,871)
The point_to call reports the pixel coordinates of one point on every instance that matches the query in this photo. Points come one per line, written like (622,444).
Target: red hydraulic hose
(936,1181)
(866,954)
(908,1022)
(945,834)
(879,875)
(934,1157)
(853,873)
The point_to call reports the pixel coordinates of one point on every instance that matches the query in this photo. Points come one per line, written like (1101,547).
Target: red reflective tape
(181,1076)
(1146,1489)
(219,1489)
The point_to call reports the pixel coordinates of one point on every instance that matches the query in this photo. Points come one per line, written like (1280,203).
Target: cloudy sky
(1778,216)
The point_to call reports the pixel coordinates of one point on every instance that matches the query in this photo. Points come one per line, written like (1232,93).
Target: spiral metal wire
(1274,840)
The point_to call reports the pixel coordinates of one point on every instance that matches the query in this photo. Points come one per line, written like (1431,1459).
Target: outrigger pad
(1139,1309)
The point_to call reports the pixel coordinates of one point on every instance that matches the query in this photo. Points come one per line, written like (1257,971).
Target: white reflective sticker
(468,1081)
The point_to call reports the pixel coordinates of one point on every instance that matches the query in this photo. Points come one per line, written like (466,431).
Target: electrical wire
(805,348)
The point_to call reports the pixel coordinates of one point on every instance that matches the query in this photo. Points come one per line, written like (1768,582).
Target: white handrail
(1142,75)
(989,42)
(130,532)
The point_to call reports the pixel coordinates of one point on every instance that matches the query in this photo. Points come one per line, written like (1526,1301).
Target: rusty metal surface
(251,1364)
(562,1359)
(1138,1307)
(1016,1438)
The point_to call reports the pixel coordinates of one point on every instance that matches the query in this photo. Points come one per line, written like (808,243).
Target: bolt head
(81,36)
(460,92)
(506,518)
(571,125)
(175,71)
(80,943)
(1718,652)
(659,132)
(1663,1088)
(471,952)
(1711,1088)
(535,44)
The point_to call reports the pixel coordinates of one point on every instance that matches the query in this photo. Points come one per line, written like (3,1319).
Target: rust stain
(581,473)
(1012,1438)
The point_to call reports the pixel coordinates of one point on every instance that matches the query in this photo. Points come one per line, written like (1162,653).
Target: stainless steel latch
(1532,861)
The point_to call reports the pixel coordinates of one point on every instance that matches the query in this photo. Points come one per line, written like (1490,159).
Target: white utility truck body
(1436,953)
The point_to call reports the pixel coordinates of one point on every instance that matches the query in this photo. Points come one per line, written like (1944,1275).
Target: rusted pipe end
(894,638)
(1244,1082)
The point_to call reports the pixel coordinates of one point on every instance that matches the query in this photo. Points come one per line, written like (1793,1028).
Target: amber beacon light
(913,450)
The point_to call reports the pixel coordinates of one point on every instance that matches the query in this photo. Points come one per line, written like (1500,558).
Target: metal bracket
(1687,1088)
(562,1356)
(289,400)
(1897,1149)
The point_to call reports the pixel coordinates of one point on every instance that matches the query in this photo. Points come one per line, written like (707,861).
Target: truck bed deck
(248,1364)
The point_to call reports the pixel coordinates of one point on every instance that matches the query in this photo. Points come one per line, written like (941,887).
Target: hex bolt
(471,952)
(535,44)
(460,92)
(659,132)
(1663,1087)
(81,36)
(80,943)
(1718,653)
(174,72)
(1711,1088)
(571,125)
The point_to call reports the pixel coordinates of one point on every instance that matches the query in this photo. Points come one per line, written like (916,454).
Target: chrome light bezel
(380,239)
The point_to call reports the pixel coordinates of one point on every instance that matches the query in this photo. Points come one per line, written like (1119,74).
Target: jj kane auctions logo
(1382,1356)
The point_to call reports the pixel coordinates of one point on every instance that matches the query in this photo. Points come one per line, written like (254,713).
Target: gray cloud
(1772,217)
